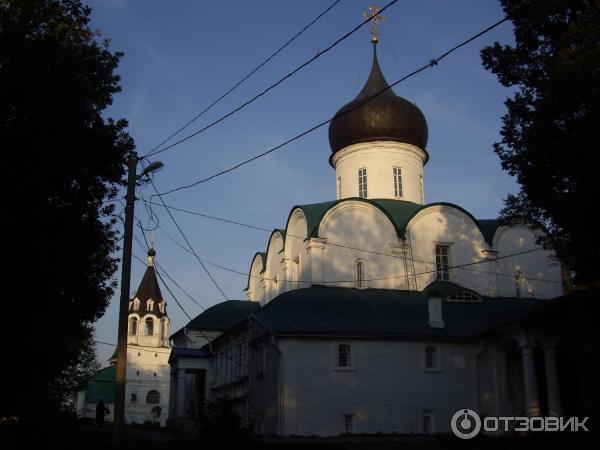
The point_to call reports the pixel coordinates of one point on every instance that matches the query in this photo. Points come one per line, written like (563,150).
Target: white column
(172,392)
(532,402)
(316,247)
(554,403)
(287,282)
(180,406)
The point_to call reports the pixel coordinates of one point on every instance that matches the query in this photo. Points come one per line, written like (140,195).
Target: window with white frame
(397,182)
(348,423)
(133,325)
(427,422)
(362,183)
(464,296)
(344,356)
(442,262)
(150,305)
(153,398)
(149,327)
(431,357)
(360,274)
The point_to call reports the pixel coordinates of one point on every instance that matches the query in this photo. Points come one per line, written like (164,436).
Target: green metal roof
(400,213)
(445,289)
(488,228)
(336,311)
(102,386)
(223,316)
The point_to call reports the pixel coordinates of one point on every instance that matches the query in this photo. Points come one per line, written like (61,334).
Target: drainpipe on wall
(280,385)
(477,353)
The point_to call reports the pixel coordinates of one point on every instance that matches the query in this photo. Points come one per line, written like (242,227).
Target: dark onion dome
(386,117)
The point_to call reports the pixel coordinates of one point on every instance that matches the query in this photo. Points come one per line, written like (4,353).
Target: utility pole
(119,413)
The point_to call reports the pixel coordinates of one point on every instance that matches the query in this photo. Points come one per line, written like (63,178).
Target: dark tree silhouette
(220,426)
(550,130)
(61,161)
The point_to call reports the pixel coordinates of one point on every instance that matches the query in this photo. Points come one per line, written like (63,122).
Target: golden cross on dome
(375,18)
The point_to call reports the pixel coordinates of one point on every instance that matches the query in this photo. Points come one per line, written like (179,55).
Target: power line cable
(157,264)
(402,257)
(228,269)
(188,242)
(208,340)
(132,347)
(430,64)
(272,86)
(252,72)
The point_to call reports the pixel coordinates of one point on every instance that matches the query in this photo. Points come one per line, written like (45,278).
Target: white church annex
(377,312)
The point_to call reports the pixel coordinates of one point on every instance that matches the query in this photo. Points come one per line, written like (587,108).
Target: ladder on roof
(409,264)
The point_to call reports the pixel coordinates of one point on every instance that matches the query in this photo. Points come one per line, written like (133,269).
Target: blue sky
(180,56)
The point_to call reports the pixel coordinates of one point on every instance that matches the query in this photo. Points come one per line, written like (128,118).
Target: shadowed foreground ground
(91,438)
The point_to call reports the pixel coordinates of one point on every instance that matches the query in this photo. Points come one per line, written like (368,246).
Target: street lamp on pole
(119,413)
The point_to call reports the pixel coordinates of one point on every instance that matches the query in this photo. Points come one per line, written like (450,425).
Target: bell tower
(148,350)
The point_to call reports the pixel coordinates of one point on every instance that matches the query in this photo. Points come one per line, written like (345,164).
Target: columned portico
(554,401)
(532,401)
(189,372)
(528,345)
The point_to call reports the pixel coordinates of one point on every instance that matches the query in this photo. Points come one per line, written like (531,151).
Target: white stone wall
(160,328)
(533,267)
(379,158)
(387,388)
(450,226)
(195,338)
(147,369)
(359,225)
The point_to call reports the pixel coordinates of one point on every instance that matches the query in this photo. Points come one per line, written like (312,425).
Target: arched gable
(297,223)
(257,266)
(532,230)
(447,207)
(395,210)
(371,209)
(275,246)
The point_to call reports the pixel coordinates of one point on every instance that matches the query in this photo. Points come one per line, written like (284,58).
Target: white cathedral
(379,313)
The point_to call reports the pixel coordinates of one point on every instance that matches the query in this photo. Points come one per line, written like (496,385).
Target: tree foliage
(61,162)
(220,426)
(550,130)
